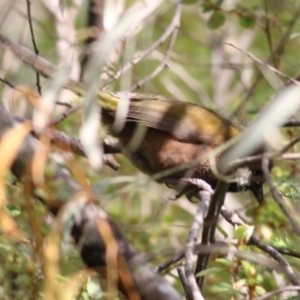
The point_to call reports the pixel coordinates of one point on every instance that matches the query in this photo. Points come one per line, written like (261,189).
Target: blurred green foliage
(202,70)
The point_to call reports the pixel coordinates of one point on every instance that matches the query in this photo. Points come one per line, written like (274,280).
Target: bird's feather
(184,121)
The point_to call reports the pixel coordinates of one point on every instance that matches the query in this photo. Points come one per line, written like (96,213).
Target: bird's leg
(195,186)
(189,187)
(199,183)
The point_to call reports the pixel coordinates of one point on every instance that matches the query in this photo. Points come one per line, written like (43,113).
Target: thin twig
(268,32)
(279,291)
(185,284)
(38,83)
(288,252)
(173,25)
(254,240)
(217,247)
(45,29)
(7,83)
(256,158)
(11,85)
(95,13)
(277,51)
(66,114)
(63,104)
(279,258)
(223,249)
(291,156)
(231,217)
(170,261)
(263,63)
(289,145)
(65,142)
(164,62)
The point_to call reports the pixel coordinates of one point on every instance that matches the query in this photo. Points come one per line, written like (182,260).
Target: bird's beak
(258,191)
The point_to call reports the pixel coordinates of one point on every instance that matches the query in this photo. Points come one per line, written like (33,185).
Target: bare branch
(175,23)
(184,283)
(277,51)
(198,222)
(279,291)
(169,31)
(257,60)
(210,224)
(38,83)
(286,267)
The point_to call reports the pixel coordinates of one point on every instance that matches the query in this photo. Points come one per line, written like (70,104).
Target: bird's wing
(183,120)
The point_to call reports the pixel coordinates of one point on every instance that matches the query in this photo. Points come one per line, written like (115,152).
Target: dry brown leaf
(10,144)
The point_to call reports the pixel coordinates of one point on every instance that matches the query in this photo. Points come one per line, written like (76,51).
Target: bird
(158,134)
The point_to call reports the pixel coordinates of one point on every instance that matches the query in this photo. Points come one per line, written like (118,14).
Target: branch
(170,30)
(190,244)
(68,143)
(277,51)
(256,158)
(210,224)
(174,25)
(185,284)
(277,198)
(279,258)
(257,60)
(38,83)
(254,240)
(89,226)
(94,232)
(279,291)
(94,21)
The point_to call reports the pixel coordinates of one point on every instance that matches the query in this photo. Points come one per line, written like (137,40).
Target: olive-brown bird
(173,132)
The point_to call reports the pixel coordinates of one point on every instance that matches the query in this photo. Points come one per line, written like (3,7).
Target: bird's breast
(158,152)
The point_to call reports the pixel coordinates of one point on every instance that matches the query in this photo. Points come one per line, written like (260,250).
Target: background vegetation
(217,58)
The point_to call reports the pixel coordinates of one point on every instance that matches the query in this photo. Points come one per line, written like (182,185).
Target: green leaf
(225,262)
(283,242)
(248,268)
(13,209)
(260,290)
(225,287)
(252,281)
(210,271)
(259,279)
(290,189)
(239,232)
(216,20)
(85,295)
(206,8)
(244,232)
(246,22)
